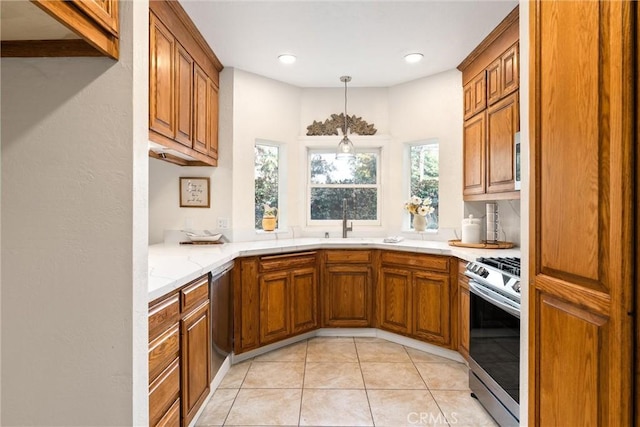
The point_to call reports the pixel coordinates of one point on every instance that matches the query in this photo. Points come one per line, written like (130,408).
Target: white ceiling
(364,39)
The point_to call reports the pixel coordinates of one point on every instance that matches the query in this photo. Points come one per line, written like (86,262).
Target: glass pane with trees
(425,178)
(332,180)
(267,158)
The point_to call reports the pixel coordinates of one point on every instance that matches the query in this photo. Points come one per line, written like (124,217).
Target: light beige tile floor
(341,381)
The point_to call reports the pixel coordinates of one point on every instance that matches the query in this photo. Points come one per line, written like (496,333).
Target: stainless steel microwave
(516,161)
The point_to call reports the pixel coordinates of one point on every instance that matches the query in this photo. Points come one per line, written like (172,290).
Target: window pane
(425,178)
(266,180)
(326,203)
(326,169)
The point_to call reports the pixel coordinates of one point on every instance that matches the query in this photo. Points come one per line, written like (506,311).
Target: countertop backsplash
(509,222)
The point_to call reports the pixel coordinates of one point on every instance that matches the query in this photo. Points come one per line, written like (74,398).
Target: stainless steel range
(494,336)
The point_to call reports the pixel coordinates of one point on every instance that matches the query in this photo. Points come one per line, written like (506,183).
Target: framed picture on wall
(194,192)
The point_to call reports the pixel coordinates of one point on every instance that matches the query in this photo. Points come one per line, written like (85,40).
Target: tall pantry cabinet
(583,120)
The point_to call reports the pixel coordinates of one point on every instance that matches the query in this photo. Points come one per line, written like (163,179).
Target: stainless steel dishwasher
(221,315)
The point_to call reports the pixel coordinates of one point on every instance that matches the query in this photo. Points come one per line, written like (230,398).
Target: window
(332,180)
(424,179)
(267,165)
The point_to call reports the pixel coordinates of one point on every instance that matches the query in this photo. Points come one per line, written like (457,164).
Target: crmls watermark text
(429,418)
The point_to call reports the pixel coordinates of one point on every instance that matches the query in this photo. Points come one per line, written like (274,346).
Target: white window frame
(406,221)
(378,186)
(282,193)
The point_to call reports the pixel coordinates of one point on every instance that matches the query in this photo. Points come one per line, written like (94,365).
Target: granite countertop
(172,265)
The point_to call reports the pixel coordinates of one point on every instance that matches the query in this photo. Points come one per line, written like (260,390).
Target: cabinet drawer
(171,417)
(163,392)
(347,257)
(428,262)
(163,350)
(195,293)
(287,261)
(162,315)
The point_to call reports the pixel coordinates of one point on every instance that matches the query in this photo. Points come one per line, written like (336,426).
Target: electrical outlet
(223,223)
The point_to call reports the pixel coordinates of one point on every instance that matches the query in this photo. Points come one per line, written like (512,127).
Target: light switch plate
(223,223)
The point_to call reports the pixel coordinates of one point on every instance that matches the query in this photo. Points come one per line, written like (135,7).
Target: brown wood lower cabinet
(276,297)
(464,301)
(196,363)
(347,288)
(179,362)
(415,296)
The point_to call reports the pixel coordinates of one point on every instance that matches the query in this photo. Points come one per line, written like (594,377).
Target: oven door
(494,349)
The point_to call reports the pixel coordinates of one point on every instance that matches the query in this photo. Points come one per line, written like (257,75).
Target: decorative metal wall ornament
(336,121)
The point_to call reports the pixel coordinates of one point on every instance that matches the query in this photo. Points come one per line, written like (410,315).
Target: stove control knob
(485,272)
(516,287)
(481,271)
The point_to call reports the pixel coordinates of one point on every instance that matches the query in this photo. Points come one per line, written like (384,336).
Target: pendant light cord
(346,117)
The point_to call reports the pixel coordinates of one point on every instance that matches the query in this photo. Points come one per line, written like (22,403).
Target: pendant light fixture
(345,147)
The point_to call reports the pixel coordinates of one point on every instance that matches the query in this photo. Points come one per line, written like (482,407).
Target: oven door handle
(494,298)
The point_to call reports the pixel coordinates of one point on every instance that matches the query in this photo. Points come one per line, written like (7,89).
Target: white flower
(427,201)
(423,210)
(416,200)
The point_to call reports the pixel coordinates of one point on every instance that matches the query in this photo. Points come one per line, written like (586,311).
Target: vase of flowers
(269,218)
(419,209)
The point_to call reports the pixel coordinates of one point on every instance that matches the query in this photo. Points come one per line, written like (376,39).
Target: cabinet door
(103,12)
(161,81)
(184,96)
(304,300)
(196,364)
(246,306)
(395,300)
(509,73)
(475,96)
(582,265)
(502,125)
(473,153)
(200,107)
(464,307)
(212,115)
(431,320)
(494,81)
(274,307)
(347,296)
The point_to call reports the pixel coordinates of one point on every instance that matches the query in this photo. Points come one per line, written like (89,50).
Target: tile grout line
(366,390)
(428,388)
(224,423)
(304,374)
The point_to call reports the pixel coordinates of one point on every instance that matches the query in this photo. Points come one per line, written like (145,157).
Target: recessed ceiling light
(287,58)
(412,58)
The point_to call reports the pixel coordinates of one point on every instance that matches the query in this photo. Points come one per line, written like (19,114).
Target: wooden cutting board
(483,245)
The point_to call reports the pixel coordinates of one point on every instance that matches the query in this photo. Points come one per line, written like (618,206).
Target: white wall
(74,242)
(255,107)
(423,109)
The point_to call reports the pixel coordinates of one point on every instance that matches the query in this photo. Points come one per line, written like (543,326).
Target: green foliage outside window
(266,180)
(425,178)
(333,180)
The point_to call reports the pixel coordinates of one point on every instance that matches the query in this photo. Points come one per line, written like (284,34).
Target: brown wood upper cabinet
(490,79)
(415,296)
(475,95)
(183,88)
(503,75)
(96,22)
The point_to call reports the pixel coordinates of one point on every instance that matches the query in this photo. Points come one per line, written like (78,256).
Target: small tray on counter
(202,242)
(482,245)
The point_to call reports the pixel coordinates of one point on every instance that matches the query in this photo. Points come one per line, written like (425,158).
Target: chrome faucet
(344,220)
